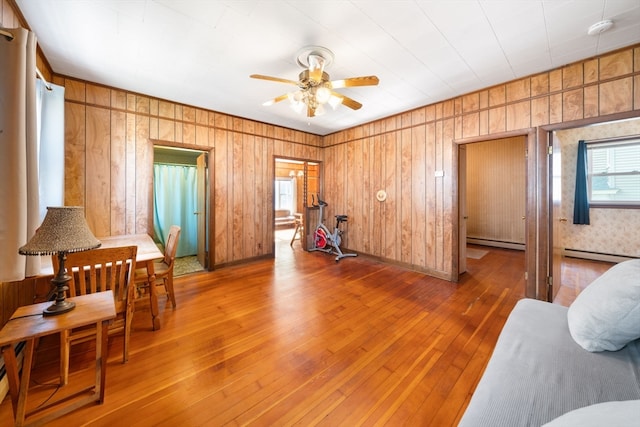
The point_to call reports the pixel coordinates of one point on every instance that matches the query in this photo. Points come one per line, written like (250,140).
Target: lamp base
(60,282)
(59,307)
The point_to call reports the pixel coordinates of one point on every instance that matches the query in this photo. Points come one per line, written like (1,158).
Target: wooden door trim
(545,234)
(306,230)
(210,151)
(531,245)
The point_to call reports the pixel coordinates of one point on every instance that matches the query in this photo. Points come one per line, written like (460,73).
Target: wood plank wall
(109,154)
(401,154)
(109,134)
(496,192)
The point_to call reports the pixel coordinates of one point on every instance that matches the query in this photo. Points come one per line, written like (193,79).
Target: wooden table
(147,252)
(28,324)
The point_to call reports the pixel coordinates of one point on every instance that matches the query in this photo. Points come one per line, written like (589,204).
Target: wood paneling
(98,168)
(419,230)
(118,172)
(74,143)
(496,192)
(109,162)
(420,233)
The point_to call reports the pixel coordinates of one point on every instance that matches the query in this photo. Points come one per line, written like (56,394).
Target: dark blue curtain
(581,201)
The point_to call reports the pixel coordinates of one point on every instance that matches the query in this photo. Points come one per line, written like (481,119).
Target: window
(285,192)
(614,172)
(50,144)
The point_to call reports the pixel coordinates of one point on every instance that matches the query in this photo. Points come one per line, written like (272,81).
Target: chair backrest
(171,245)
(100,270)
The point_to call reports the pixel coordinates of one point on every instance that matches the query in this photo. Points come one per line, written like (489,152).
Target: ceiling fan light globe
(298,107)
(319,111)
(323,95)
(296,96)
(334,101)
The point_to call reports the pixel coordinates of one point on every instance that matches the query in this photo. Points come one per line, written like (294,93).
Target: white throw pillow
(605,316)
(618,414)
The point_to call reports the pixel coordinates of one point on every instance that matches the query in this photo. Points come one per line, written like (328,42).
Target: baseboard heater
(495,243)
(595,256)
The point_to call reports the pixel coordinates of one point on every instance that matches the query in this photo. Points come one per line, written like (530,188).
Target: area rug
(186,265)
(476,253)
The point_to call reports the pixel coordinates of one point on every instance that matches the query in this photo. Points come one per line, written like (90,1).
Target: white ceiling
(201,52)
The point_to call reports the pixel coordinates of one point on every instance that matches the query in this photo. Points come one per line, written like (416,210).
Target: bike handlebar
(320,202)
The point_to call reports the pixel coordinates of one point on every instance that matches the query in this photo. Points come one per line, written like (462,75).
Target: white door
(557,221)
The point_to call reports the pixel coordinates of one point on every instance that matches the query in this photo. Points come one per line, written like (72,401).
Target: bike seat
(341,218)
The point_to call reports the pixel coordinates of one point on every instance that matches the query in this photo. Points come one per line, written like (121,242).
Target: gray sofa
(559,366)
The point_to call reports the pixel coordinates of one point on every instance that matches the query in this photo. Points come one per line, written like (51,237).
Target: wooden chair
(163,269)
(100,270)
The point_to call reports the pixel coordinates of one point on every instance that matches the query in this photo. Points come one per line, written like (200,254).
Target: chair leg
(169,285)
(64,357)
(127,333)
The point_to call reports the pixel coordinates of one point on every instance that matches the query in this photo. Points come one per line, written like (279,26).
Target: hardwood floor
(300,340)
(576,275)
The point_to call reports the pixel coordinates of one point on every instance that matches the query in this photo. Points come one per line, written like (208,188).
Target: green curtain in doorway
(174,194)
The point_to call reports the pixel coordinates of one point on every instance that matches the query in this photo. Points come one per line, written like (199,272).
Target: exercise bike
(323,239)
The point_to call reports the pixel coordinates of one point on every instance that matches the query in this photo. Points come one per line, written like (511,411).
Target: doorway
(607,238)
(296,183)
(180,197)
(493,198)
(496,193)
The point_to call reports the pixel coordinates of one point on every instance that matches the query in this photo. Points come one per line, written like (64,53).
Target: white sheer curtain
(19,211)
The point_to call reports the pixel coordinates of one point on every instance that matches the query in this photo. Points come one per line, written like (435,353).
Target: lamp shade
(63,230)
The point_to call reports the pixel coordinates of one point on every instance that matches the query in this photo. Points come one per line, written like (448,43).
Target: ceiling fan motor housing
(306,81)
(309,56)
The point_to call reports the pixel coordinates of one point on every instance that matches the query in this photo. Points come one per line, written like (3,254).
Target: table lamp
(64,230)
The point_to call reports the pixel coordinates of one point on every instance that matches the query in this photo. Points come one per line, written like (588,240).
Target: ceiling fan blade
(355,81)
(276,99)
(347,102)
(273,79)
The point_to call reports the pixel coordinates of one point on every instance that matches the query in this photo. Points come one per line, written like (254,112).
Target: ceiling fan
(315,89)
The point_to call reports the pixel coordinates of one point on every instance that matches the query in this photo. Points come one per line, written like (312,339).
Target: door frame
(304,189)
(538,228)
(210,220)
(531,205)
(545,231)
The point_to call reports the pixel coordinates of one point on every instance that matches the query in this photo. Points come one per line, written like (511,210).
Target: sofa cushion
(537,372)
(605,316)
(615,413)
